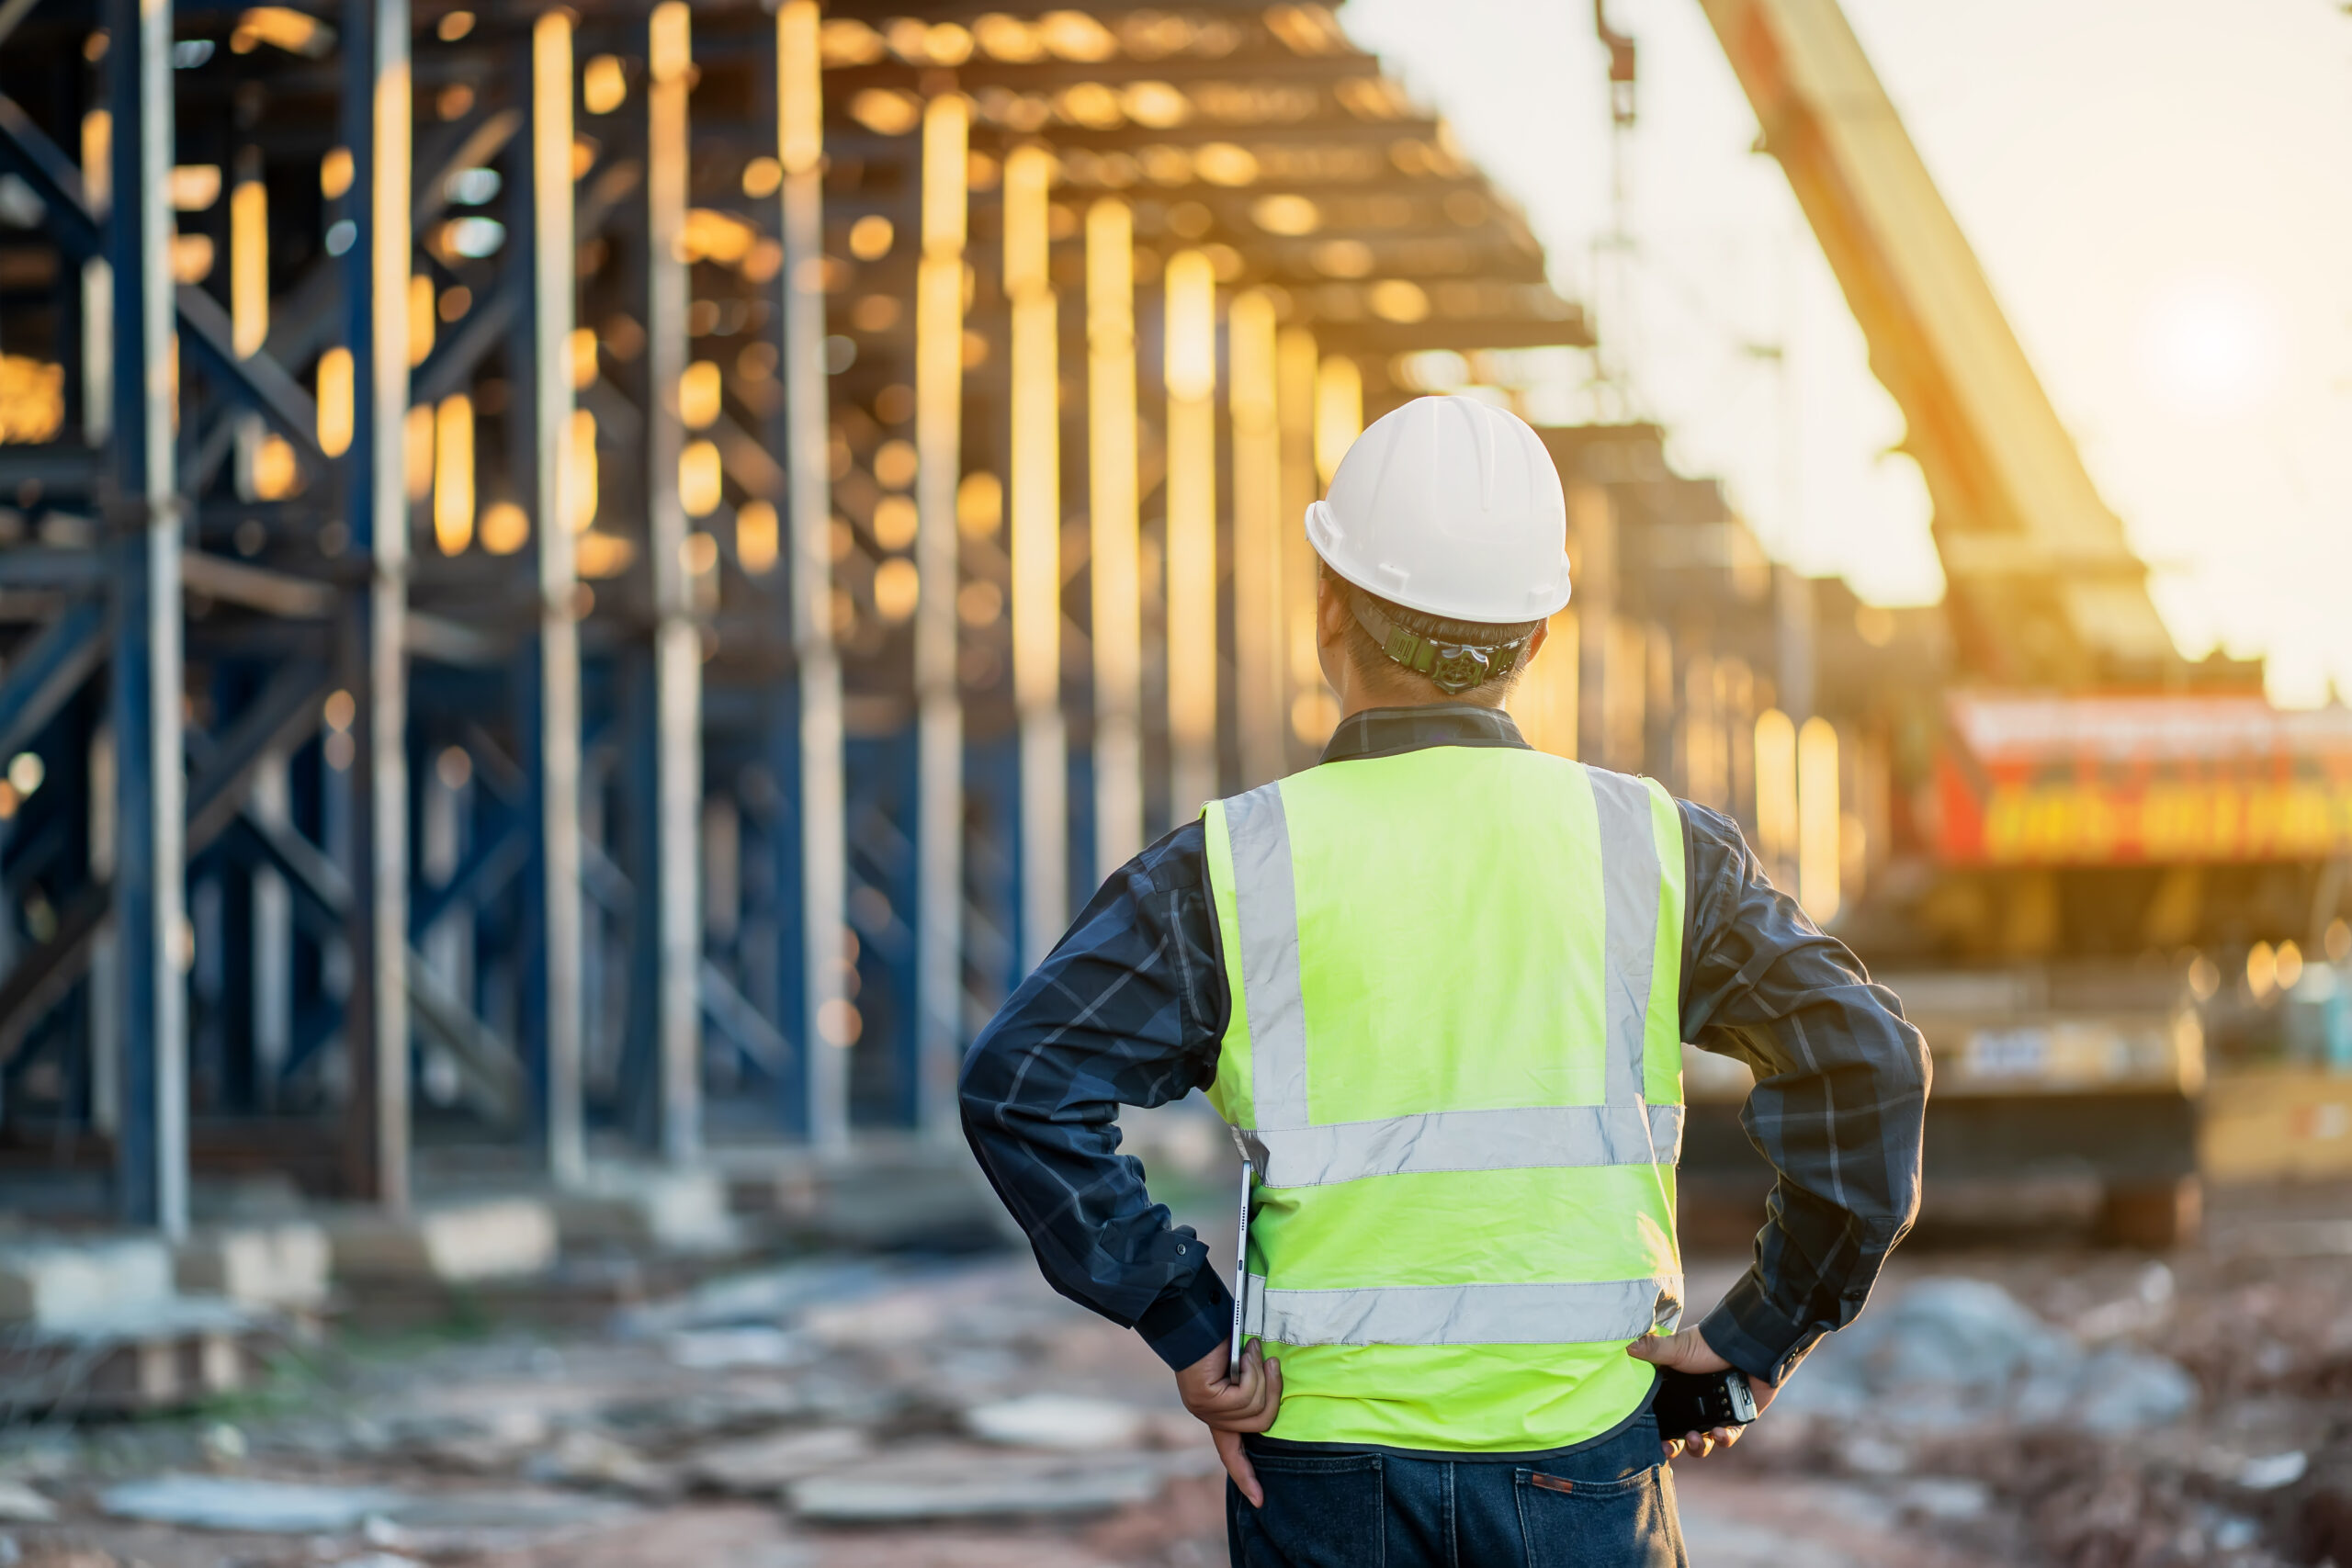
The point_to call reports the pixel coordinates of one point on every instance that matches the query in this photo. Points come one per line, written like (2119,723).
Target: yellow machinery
(2051,1061)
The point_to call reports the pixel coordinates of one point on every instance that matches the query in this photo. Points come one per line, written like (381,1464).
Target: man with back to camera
(1438,986)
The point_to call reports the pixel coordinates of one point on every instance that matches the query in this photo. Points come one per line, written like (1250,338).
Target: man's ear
(1331,613)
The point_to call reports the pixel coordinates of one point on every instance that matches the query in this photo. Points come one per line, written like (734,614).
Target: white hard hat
(1451,507)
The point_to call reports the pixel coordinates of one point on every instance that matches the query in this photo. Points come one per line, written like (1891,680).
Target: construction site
(585,590)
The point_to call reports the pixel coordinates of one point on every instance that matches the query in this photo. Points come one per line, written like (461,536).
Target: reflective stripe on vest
(1585,1312)
(1467,1140)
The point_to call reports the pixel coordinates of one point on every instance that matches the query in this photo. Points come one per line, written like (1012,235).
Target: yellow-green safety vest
(1455,1062)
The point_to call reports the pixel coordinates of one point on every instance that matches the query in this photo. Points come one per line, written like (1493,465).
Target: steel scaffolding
(601,579)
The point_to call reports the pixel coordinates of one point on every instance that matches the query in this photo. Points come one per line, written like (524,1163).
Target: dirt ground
(812,1413)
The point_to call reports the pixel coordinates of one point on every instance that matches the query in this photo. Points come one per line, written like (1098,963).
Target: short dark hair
(1368,658)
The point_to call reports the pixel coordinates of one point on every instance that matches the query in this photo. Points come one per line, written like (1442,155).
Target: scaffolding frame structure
(606,577)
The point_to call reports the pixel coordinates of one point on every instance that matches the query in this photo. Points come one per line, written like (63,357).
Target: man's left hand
(1685,1351)
(1230,1406)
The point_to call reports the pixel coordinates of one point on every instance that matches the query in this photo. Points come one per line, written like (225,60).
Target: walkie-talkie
(1701,1401)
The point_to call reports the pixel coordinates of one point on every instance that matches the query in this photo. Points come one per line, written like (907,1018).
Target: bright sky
(2159,190)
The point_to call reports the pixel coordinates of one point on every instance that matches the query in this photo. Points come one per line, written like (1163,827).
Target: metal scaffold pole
(555,745)
(150,923)
(1112,482)
(377,94)
(1261,696)
(1036,554)
(1295,359)
(824,874)
(1189,358)
(676,905)
(939,437)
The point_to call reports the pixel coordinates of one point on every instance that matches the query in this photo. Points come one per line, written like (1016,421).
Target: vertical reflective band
(1268,916)
(1629,874)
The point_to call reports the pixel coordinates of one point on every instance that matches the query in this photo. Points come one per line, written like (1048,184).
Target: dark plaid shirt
(1130,1007)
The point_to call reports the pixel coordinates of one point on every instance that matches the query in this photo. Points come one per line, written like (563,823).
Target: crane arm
(2044,588)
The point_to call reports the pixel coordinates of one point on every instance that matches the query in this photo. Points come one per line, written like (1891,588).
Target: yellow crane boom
(2044,590)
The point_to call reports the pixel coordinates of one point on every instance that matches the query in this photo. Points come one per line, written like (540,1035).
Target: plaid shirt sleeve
(1841,1089)
(1127,1010)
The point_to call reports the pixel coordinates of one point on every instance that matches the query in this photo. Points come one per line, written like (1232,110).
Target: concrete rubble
(2037,1406)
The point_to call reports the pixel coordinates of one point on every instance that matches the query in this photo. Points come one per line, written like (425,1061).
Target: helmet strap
(1452,666)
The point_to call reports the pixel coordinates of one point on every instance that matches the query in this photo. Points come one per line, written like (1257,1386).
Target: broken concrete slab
(133,1359)
(763,1467)
(433,1525)
(882,1193)
(1059,1421)
(56,1282)
(496,1239)
(20,1504)
(598,1461)
(284,1265)
(945,1483)
(235,1503)
(650,1207)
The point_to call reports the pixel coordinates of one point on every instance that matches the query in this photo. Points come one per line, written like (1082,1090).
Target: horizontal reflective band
(1585,1313)
(1466,1140)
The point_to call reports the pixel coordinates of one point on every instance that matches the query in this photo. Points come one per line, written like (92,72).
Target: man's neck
(1361,697)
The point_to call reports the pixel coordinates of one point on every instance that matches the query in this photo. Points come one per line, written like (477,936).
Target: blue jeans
(1605,1504)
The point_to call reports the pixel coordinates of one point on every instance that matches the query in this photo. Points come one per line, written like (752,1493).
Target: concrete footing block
(648,1208)
(284,1265)
(879,1192)
(500,1238)
(56,1283)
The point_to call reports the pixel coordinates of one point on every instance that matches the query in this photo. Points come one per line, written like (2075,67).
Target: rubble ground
(2029,1402)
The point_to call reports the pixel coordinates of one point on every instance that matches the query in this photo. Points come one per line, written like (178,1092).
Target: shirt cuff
(1190,1321)
(1753,1334)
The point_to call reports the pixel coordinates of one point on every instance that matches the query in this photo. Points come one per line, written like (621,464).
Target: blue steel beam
(256,379)
(376,103)
(143,506)
(49,671)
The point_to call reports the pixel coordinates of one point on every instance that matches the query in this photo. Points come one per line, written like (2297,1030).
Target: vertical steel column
(1296,357)
(677,641)
(554,470)
(1111,484)
(1592,527)
(1189,367)
(273,976)
(939,440)
(377,94)
(1036,505)
(824,872)
(1259,697)
(150,876)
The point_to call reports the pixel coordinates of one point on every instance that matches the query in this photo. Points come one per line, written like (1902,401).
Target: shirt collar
(1386,732)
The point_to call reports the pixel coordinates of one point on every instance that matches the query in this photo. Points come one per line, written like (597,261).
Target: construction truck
(2093,844)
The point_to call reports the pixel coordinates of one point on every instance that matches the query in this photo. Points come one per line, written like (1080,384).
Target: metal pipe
(1189,369)
(824,872)
(377,99)
(1036,527)
(938,435)
(1295,359)
(556,477)
(677,640)
(1259,696)
(1112,485)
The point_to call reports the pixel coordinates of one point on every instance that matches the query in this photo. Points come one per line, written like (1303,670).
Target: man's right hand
(1230,1406)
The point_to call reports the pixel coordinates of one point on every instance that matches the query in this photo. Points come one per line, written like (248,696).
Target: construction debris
(457,1243)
